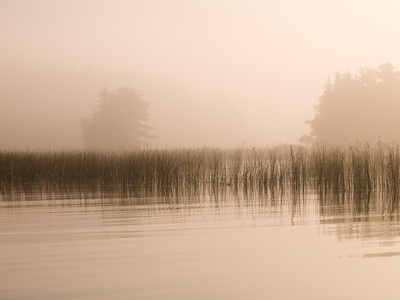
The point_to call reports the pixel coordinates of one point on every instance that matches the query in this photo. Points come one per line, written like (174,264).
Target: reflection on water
(84,243)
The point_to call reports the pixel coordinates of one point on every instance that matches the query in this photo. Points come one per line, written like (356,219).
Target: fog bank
(215,73)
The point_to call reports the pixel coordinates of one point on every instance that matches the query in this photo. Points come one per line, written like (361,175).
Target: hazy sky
(215,72)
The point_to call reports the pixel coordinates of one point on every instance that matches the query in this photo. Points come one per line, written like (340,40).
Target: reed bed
(352,169)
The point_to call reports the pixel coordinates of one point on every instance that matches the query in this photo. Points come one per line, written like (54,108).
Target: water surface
(221,245)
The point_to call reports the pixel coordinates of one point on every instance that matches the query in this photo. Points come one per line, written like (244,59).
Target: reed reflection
(353,215)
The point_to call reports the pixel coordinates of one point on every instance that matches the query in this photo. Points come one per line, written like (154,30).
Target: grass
(353,169)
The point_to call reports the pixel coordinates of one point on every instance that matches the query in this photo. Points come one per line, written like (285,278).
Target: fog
(216,73)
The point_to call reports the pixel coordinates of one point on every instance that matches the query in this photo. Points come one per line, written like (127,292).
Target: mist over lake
(199,149)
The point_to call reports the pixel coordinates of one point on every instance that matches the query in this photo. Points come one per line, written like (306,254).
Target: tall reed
(356,168)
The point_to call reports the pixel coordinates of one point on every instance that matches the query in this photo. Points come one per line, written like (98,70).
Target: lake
(222,244)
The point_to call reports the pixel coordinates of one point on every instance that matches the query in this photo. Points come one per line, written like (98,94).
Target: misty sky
(215,72)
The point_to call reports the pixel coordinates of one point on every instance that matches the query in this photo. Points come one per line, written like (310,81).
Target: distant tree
(118,121)
(361,107)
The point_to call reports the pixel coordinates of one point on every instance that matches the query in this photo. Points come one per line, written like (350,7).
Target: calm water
(223,246)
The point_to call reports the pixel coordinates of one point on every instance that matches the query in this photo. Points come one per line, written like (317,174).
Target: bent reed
(359,168)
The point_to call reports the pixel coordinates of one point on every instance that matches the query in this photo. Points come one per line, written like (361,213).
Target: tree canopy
(118,121)
(363,107)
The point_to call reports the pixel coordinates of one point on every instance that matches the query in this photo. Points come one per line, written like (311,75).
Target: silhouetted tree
(361,107)
(118,121)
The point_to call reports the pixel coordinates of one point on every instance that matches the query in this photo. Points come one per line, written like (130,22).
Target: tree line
(363,107)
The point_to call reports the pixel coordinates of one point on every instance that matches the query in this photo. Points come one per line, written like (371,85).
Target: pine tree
(118,121)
